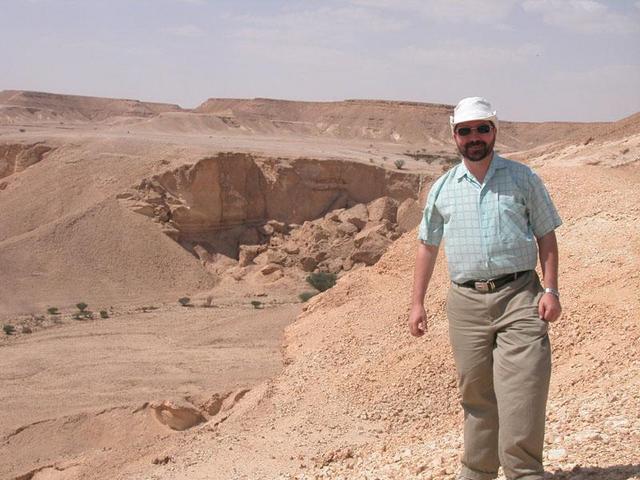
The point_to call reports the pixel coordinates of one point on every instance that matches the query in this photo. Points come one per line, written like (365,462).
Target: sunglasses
(481,129)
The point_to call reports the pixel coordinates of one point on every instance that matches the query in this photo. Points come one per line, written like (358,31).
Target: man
(494,215)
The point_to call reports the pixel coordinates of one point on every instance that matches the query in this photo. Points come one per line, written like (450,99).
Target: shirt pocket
(513,221)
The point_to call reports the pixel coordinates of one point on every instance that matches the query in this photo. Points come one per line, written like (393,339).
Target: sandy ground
(85,386)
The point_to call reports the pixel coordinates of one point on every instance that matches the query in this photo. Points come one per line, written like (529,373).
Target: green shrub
(53,311)
(82,306)
(305,296)
(399,164)
(9,329)
(104,314)
(256,303)
(321,281)
(184,301)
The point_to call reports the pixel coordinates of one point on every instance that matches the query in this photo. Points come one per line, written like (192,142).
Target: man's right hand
(418,321)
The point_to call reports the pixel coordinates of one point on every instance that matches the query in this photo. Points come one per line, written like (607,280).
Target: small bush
(82,313)
(184,301)
(322,281)
(399,163)
(53,311)
(9,329)
(305,296)
(256,303)
(22,130)
(104,314)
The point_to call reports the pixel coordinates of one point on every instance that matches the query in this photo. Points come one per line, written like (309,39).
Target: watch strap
(552,291)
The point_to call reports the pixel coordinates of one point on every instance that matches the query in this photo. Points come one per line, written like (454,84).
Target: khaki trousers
(503,358)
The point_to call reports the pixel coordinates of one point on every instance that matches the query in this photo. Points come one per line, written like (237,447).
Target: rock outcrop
(305,211)
(16,157)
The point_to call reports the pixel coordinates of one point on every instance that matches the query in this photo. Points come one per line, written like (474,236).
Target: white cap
(473,108)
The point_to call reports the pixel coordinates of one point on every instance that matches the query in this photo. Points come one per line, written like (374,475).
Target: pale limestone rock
(177,416)
(347,228)
(291,248)
(371,245)
(144,209)
(357,215)
(271,256)
(270,268)
(383,208)
(556,454)
(247,254)
(409,215)
(277,226)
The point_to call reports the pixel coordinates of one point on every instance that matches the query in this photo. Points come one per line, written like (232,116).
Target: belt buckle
(484,287)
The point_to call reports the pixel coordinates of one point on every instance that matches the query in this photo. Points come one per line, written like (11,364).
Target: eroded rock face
(214,193)
(16,157)
(273,213)
(177,416)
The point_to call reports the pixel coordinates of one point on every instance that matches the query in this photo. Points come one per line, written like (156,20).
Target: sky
(535,60)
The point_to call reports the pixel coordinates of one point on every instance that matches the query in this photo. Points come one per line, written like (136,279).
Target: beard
(477,150)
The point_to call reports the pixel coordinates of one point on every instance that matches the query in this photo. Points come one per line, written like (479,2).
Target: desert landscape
(158,321)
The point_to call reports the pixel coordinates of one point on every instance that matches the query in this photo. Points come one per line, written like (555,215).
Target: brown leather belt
(486,286)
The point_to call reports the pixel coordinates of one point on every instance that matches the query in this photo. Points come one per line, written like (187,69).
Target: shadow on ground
(615,472)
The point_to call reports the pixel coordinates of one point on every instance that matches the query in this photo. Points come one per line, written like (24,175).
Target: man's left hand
(549,307)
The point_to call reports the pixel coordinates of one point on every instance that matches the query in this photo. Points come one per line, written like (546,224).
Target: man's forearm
(425,263)
(548,248)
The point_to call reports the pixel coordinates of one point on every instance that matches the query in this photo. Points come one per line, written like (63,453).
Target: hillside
(360,398)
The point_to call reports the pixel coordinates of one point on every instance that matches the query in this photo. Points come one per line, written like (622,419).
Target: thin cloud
(447,11)
(312,36)
(187,31)
(325,20)
(456,56)
(583,16)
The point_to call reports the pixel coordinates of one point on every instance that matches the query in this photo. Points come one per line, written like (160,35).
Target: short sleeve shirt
(489,229)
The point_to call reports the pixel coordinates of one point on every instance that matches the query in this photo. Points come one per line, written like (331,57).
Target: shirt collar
(496,162)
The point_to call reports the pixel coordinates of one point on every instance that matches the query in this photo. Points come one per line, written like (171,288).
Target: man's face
(475,140)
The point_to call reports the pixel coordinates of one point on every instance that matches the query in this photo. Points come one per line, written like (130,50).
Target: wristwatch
(552,291)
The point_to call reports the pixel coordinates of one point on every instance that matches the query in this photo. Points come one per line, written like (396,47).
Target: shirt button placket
(484,229)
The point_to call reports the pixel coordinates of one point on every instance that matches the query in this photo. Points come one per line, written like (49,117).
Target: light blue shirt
(489,229)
